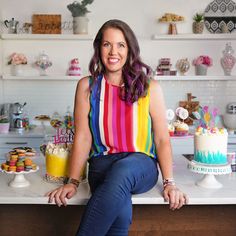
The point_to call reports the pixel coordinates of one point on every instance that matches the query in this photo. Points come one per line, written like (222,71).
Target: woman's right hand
(59,195)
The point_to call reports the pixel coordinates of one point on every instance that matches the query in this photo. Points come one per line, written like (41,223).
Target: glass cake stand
(19,179)
(209,171)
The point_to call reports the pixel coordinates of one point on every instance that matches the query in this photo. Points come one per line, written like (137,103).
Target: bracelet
(72,181)
(168,181)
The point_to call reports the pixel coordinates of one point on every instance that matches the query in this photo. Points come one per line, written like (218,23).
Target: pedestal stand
(209,171)
(19,179)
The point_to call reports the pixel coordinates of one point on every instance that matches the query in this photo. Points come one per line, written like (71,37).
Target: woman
(120,125)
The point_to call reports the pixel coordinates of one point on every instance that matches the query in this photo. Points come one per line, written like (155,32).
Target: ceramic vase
(201,69)
(198,27)
(183,65)
(80,25)
(17,70)
(228,60)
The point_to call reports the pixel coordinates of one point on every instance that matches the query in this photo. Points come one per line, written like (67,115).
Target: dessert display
(210,146)
(19,159)
(19,162)
(171,17)
(74,69)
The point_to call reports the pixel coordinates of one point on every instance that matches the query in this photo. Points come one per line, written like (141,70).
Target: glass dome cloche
(43,63)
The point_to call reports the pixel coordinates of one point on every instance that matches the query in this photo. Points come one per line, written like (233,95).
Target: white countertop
(34,194)
(36,133)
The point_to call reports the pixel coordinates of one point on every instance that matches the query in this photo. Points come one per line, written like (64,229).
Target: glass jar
(43,63)
(228,60)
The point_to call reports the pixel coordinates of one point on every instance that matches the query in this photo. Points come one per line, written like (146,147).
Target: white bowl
(230,121)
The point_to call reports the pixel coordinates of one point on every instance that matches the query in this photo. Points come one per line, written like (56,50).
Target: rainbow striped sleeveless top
(116,126)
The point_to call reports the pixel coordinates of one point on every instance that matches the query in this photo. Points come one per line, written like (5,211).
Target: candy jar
(56,120)
(183,65)
(228,60)
(74,69)
(68,119)
(43,63)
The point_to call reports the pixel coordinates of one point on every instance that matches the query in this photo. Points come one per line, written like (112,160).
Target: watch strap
(73,181)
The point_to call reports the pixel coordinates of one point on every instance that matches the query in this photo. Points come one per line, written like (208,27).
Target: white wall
(47,97)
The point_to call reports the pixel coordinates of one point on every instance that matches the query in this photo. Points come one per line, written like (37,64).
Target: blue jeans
(113,179)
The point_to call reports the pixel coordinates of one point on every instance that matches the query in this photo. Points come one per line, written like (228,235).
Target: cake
(210,146)
(57,156)
(74,68)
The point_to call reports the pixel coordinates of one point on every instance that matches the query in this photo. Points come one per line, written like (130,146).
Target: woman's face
(114,50)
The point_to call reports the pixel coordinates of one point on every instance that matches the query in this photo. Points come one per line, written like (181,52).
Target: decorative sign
(46,24)
(64,136)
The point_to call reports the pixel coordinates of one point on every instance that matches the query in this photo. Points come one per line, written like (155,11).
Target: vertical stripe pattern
(117,126)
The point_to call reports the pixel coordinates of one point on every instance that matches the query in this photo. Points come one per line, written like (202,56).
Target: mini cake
(74,69)
(181,128)
(57,156)
(210,146)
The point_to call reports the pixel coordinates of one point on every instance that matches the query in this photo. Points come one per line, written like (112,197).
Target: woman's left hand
(175,197)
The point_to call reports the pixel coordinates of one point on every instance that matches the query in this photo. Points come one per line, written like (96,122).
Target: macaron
(28,162)
(12,162)
(28,168)
(12,168)
(20,163)
(20,168)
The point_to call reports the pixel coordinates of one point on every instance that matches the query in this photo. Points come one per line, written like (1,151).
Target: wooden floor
(148,220)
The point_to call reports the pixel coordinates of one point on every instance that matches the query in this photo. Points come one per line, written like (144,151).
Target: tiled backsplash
(46,97)
(211,93)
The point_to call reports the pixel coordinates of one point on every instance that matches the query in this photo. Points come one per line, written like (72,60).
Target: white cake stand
(19,179)
(209,171)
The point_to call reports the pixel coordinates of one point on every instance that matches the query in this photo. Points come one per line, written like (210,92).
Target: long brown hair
(136,74)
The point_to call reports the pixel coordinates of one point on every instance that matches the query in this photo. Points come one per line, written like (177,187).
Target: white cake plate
(19,179)
(209,171)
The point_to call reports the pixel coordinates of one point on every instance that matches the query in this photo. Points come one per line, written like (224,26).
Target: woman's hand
(60,194)
(175,197)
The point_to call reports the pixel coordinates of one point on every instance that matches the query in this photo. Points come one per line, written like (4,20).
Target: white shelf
(46,36)
(195,78)
(228,36)
(42,78)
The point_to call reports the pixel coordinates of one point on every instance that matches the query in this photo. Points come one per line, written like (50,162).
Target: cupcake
(171,129)
(181,128)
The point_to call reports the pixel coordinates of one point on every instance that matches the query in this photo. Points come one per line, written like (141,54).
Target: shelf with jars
(195,78)
(46,37)
(223,36)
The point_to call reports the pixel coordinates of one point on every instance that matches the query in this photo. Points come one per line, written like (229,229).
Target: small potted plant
(4,124)
(16,60)
(198,24)
(201,64)
(79,11)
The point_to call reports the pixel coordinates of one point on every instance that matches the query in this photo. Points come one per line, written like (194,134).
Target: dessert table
(208,210)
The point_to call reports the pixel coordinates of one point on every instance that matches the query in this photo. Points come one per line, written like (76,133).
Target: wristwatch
(72,181)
